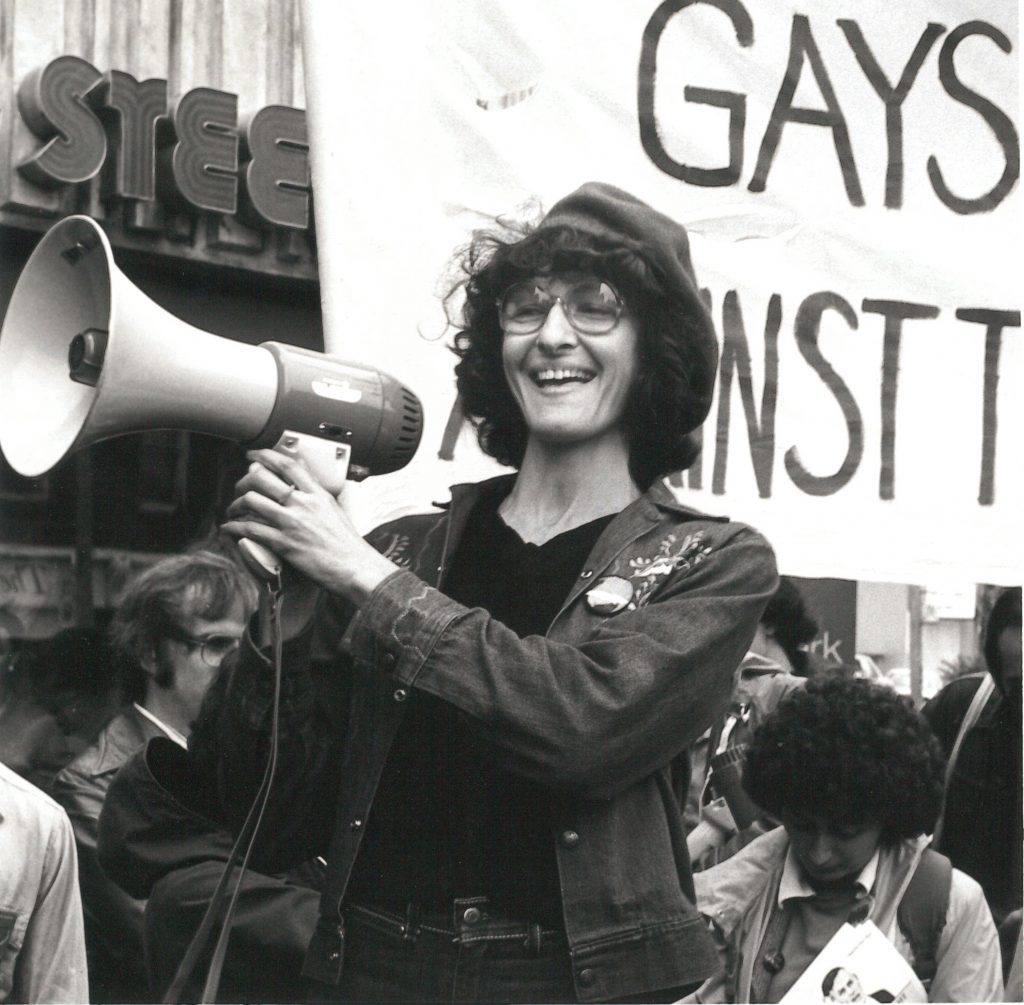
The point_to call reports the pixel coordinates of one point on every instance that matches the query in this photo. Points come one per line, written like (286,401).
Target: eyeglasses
(212,648)
(592,307)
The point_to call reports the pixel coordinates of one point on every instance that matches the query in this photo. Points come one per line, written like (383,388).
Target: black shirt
(448,820)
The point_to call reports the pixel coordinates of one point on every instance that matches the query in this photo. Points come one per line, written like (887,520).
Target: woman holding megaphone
(486,768)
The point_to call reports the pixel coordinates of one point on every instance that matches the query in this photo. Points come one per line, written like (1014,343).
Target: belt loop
(533,936)
(411,928)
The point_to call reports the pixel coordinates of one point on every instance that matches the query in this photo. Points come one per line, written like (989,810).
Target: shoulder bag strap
(981,696)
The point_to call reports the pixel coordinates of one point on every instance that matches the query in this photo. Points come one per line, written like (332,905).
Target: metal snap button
(355,824)
(586,573)
(472,915)
(570,839)
(586,977)
(401,694)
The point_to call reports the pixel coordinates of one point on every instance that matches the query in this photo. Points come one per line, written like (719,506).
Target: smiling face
(572,388)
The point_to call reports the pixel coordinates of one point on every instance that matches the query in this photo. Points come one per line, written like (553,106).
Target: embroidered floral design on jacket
(672,555)
(394,547)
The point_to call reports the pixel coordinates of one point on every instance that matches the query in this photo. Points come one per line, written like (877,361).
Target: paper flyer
(859,964)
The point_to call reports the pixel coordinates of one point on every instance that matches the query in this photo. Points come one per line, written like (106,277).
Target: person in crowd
(777,662)
(42,947)
(785,632)
(55,698)
(175,624)
(978,722)
(523,666)
(981,828)
(854,774)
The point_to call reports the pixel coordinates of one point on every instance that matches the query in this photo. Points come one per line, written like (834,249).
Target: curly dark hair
(792,624)
(849,752)
(661,440)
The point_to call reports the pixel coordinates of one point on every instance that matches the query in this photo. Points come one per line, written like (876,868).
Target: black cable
(246,837)
(221,948)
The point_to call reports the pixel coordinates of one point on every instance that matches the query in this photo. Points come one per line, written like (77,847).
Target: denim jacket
(597,709)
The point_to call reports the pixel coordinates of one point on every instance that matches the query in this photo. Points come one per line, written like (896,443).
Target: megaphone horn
(85,355)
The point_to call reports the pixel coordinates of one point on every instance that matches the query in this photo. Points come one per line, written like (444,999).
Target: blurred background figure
(977,719)
(854,774)
(175,625)
(55,700)
(42,951)
(786,630)
(777,662)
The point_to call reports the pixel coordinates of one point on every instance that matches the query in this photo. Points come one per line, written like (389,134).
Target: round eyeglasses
(592,307)
(212,648)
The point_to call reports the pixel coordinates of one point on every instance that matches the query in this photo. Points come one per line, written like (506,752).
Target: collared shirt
(42,946)
(813,917)
(168,731)
(793,884)
(737,895)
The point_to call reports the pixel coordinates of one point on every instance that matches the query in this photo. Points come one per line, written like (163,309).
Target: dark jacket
(596,710)
(982,833)
(113,920)
(158,841)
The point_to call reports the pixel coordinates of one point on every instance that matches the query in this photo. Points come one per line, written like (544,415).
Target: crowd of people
(558,741)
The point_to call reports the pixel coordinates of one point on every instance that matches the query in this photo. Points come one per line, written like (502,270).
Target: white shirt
(168,731)
(44,961)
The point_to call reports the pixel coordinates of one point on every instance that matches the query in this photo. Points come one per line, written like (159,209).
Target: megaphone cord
(246,838)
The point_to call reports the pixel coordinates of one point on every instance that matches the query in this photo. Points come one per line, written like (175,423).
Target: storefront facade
(179,127)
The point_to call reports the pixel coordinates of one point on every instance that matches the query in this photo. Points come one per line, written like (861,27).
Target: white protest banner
(848,172)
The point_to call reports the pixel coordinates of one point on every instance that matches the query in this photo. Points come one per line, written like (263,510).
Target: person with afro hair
(854,775)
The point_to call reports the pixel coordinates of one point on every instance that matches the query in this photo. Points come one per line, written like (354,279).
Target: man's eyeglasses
(592,306)
(212,648)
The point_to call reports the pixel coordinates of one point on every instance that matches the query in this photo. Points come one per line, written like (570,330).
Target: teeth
(544,376)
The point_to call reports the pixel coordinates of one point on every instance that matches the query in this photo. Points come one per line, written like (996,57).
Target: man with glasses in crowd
(177,622)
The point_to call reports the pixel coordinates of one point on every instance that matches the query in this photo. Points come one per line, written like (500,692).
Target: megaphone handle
(327,461)
(259,560)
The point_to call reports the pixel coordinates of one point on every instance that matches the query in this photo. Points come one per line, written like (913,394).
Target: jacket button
(401,694)
(333,956)
(387,661)
(586,977)
(472,915)
(586,573)
(355,824)
(570,839)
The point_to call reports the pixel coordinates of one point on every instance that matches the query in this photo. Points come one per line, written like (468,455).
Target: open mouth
(561,376)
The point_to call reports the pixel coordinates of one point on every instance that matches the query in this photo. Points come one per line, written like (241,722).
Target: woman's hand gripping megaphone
(281,506)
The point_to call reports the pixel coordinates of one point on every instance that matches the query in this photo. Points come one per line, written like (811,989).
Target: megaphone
(85,355)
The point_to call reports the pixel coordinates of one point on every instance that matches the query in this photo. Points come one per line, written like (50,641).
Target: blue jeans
(470,957)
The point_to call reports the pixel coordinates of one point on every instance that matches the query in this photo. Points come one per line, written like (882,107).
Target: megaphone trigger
(326,461)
